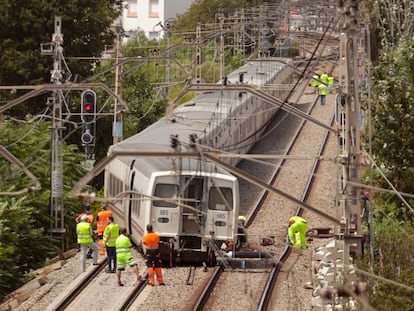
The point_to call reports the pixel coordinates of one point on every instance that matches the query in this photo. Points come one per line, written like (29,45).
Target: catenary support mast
(57,209)
(349,127)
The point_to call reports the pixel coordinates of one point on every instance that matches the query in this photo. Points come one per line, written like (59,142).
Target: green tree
(393,117)
(27,24)
(205,11)
(25,219)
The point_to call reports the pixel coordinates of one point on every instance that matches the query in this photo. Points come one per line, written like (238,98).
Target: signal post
(88,117)
(348,122)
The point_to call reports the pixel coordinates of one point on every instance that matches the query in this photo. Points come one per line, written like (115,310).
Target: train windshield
(167,191)
(220,199)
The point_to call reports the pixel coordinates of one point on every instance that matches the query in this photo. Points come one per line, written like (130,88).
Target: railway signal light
(87,137)
(88,106)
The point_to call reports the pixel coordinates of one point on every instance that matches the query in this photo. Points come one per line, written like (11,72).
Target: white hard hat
(84,218)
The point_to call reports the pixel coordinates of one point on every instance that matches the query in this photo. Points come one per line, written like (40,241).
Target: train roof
(200,116)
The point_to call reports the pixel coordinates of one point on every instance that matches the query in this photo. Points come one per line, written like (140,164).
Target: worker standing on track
(101,222)
(324,78)
(297,232)
(85,240)
(89,218)
(151,241)
(124,256)
(111,233)
(323,91)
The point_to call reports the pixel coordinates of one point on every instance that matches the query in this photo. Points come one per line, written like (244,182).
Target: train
(191,202)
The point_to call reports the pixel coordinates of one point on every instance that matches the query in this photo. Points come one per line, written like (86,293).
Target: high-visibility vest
(324,78)
(151,240)
(103,221)
(331,80)
(297,231)
(113,231)
(315,80)
(122,245)
(83,230)
(323,89)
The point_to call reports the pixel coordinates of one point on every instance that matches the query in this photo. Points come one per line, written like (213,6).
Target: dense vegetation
(392,144)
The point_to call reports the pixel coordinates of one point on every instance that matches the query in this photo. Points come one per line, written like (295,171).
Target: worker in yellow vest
(324,78)
(111,233)
(85,240)
(124,256)
(297,232)
(323,91)
(331,81)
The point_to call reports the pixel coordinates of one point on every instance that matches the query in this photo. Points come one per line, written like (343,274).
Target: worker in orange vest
(102,221)
(151,242)
(87,212)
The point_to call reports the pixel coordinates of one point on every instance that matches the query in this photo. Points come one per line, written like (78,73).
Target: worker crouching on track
(297,232)
(151,241)
(85,240)
(124,256)
(102,220)
(241,231)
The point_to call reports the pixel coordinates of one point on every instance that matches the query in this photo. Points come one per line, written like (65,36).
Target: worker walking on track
(111,233)
(101,222)
(85,240)
(297,232)
(124,256)
(151,241)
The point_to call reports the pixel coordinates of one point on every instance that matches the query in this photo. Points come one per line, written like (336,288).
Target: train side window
(220,199)
(167,191)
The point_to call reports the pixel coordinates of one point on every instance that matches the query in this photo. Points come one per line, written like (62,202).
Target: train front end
(194,212)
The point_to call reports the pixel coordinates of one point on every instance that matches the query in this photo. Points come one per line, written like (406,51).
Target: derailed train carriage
(192,203)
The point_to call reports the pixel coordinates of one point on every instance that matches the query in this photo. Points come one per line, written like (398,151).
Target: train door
(221,207)
(193,218)
(128,203)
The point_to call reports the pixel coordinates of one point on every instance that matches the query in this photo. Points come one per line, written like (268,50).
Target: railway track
(88,286)
(214,288)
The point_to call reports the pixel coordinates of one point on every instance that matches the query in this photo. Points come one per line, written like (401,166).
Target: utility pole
(348,121)
(117,128)
(198,61)
(57,209)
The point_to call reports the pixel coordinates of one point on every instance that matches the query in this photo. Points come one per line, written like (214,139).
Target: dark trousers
(153,258)
(111,258)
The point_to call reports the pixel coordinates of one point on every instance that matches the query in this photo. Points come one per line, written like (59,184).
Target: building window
(153,8)
(132,8)
(153,35)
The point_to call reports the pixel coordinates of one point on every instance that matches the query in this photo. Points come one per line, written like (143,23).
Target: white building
(151,16)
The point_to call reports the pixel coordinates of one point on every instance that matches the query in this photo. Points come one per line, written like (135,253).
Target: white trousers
(84,251)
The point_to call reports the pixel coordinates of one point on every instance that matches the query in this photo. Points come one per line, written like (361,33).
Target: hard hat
(84,218)
(242,218)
